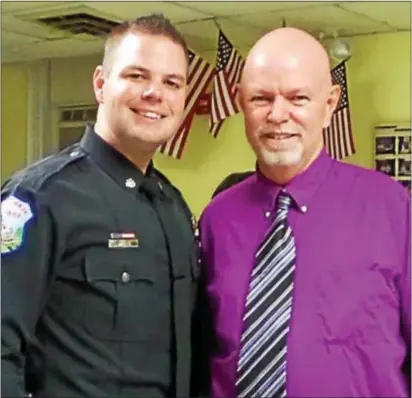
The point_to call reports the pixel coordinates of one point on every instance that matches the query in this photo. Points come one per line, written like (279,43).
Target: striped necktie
(261,369)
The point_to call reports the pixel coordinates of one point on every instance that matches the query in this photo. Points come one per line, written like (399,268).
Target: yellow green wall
(379,91)
(207,160)
(379,84)
(13,118)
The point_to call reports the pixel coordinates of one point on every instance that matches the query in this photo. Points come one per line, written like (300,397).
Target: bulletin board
(393,151)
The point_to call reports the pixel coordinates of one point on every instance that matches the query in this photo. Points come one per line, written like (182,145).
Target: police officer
(98,259)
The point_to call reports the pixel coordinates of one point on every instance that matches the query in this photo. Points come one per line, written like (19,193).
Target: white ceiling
(23,39)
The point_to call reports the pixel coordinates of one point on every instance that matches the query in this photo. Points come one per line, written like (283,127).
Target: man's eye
(259,98)
(300,99)
(135,76)
(173,84)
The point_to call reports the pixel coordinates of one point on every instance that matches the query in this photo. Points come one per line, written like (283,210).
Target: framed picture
(404,167)
(393,146)
(386,166)
(385,145)
(404,145)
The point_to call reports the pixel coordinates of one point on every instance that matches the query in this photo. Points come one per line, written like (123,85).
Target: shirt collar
(302,188)
(114,163)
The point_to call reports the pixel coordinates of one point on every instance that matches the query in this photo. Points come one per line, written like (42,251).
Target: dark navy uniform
(98,278)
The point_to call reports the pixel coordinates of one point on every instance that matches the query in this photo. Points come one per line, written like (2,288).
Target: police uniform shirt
(98,272)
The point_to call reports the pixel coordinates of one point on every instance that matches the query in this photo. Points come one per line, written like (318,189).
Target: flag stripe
(171,144)
(179,140)
(338,136)
(199,76)
(216,128)
(229,65)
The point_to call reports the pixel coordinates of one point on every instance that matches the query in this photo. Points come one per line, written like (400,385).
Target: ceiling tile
(233,8)
(16,38)
(395,13)
(59,48)
(128,10)
(10,23)
(203,35)
(325,18)
(16,6)
(24,20)
(242,21)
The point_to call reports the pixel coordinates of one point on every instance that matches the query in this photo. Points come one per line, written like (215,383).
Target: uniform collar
(302,188)
(114,163)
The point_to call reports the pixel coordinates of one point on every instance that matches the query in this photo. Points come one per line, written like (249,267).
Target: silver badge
(130,183)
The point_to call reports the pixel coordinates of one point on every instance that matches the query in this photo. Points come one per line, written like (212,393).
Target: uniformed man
(98,260)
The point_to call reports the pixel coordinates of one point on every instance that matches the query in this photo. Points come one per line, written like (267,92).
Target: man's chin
(280,158)
(152,137)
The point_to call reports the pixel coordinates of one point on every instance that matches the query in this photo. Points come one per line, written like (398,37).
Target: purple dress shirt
(350,328)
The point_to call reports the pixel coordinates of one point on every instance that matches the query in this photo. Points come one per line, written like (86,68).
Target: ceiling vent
(80,23)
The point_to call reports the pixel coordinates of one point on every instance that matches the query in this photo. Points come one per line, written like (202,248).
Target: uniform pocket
(114,287)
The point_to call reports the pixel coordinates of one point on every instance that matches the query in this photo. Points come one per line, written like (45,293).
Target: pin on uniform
(123,240)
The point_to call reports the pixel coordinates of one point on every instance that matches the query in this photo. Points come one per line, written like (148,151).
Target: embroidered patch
(15,213)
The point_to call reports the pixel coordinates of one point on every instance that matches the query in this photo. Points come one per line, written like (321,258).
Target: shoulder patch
(15,213)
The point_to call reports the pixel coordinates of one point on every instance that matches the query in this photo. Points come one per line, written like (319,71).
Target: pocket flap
(119,271)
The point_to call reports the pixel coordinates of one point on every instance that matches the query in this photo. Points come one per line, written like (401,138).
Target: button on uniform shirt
(98,269)
(350,326)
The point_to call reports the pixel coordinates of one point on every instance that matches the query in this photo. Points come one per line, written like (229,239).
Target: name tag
(124,240)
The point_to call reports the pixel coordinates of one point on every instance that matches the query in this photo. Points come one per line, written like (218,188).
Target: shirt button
(267,214)
(125,277)
(304,209)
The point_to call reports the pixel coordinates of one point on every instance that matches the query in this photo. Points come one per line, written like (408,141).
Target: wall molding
(38,109)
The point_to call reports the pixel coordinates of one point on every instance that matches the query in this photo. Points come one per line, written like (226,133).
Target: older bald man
(307,262)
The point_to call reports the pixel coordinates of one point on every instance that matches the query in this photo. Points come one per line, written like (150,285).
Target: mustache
(274,132)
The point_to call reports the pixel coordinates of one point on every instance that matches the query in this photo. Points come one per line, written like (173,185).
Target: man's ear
(239,96)
(332,103)
(98,83)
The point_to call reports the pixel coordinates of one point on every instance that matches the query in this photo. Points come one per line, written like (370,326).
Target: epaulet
(37,174)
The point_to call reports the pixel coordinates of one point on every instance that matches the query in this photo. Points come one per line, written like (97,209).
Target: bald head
(290,48)
(287,99)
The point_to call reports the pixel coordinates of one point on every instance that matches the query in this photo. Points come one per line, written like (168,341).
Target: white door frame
(38,108)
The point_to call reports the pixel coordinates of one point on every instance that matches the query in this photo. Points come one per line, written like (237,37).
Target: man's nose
(279,111)
(153,91)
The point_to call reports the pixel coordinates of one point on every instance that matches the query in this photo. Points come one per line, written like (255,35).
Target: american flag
(338,136)
(199,77)
(229,66)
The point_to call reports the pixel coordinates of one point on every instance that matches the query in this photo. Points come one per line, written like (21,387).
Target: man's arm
(202,343)
(203,332)
(405,290)
(26,254)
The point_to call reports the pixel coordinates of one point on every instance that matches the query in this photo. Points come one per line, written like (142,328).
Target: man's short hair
(154,24)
